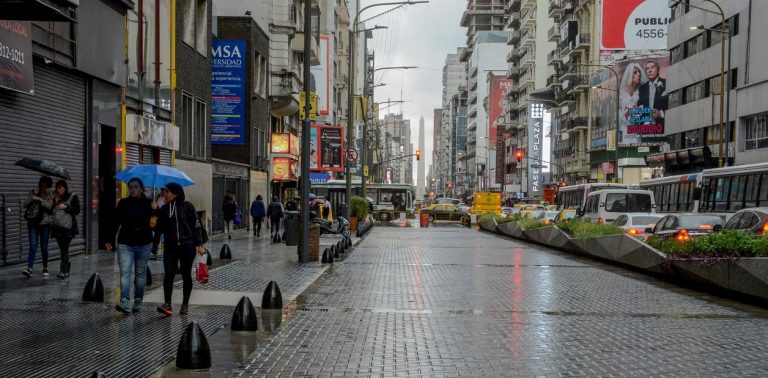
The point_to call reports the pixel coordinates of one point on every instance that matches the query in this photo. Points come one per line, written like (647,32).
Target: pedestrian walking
(182,234)
(229,208)
(160,200)
(258,212)
(37,213)
(133,226)
(275,213)
(64,223)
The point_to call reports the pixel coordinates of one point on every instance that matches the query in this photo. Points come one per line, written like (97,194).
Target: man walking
(275,214)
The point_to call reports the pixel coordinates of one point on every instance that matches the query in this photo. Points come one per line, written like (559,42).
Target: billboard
(643,101)
(313,149)
(329,156)
(284,169)
(320,76)
(635,24)
(16,56)
(497,106)
(228,92)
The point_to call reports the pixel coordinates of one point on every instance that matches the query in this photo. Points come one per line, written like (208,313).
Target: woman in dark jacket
(133,216)
(69,204)
(182,235)
(229,208)
(258,212)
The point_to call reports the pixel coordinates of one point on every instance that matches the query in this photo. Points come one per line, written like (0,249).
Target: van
(606,205)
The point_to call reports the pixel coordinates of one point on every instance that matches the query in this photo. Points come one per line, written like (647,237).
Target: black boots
(64,270)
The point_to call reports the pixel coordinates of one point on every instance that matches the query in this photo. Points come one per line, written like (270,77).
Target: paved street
(442,301)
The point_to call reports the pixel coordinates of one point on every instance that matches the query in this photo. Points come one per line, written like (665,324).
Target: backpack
(33,213)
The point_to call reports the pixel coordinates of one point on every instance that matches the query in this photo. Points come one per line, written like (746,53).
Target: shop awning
(32,10)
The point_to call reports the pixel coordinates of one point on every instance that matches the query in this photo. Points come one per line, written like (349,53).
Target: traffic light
(418,154)
(563,183)
(450,186)
(519,155)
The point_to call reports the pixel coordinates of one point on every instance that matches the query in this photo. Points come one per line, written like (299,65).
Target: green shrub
(760,246)
(723,243)
(359,207)
(585,229)
(511,218)
(529,224)
(488,216)
(569,225)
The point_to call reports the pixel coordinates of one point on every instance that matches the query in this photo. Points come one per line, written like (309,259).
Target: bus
(716,190)
(379,194)
(574,196)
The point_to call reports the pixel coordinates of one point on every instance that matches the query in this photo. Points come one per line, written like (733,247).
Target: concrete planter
(512,229)
(626,250)
(488,225)
(747,275)
(551,236)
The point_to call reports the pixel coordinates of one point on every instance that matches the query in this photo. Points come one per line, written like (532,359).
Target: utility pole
(304,207)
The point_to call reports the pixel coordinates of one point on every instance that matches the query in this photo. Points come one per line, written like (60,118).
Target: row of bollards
(333,251)
(364,228)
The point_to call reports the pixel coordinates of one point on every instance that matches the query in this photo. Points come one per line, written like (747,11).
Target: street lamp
(351,91)
(618,113)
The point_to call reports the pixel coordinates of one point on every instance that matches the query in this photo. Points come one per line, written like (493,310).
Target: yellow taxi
(443,211)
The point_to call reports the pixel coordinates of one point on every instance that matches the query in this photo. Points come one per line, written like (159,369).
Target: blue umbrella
(155,175)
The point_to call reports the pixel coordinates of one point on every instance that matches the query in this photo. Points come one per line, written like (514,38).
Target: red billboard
(635,24)
(497,106)
(327,148)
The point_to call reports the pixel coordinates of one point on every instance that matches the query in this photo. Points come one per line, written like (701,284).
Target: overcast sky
(418,35)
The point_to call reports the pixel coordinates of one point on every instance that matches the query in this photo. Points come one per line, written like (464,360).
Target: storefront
(229,179)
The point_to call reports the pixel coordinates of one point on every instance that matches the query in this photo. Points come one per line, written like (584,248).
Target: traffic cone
(94,289)
(244,317)
(272,297)
(193,351)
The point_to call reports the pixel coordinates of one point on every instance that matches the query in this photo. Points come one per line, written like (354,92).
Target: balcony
(513,55)
(528,39)
(513,72)
(553,57)
(513,6)
(528,4)
(522,102)
(512,89)
(514,37)
(578,83)
(578,123)
(582,42)
(528,19)
(513,22)
(553,35)
(552,80)
(568,71)
(513,102)
(528,59)
(555,8)
(565,47)
(527,78)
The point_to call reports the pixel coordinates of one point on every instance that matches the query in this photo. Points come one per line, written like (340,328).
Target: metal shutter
(47,125)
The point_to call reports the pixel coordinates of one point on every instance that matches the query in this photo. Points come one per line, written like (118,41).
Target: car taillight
(600,220)
(634,231)
(705,227)
(547,221)
(682,235)
(765,228)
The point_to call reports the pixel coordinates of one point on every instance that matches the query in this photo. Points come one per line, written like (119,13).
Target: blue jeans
(41,233)
(130,259)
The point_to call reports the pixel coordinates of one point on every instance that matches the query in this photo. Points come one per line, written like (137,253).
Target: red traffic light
(418,154)
(563,183)
(519,155)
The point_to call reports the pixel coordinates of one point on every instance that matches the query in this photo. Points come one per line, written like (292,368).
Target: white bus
(574,196)
(716,190)
(381,195)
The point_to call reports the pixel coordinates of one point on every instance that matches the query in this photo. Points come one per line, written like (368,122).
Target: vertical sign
(331,148)
(16,56)
(497,106)
(320,76)
(313,148)
(228,92)
(535,150)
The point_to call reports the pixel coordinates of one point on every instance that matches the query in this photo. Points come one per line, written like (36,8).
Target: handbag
(238,217)
(33,212)
(61,218)
(202,271)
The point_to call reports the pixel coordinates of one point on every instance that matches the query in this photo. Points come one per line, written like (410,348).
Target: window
(738,190)
(720,195)
(201,129)
(259,75)
(195,24)
(756,133)
(753,188)
(674,99)
(187,124)
(194,130)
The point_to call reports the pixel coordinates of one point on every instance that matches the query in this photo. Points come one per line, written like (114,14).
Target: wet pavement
(441,301)
(46,330)
(450,301)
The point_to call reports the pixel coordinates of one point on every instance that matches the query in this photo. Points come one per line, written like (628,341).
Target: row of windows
(702,41)
(702,89)
(196,24)
(756,132)
(673,197)
(194,127)
(699,137)
(735,193)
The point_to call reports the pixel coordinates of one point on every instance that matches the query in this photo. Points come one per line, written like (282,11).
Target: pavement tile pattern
(448,301)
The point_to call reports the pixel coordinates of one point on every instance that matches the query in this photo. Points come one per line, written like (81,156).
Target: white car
(635,224)
(507,211)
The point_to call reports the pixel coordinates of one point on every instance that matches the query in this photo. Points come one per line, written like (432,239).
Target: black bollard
(148,277)
(326,253)
(272,297)
(337,250)
(193,351)
(94,289)
(209,260)
(98,374)
(244,317)
(225,253)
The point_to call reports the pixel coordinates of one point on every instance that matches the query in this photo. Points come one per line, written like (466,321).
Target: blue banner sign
(319,178)
(228,92)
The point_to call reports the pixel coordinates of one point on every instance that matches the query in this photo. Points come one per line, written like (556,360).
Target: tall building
(397,166)
(420,184)
(693,119)
(444,150)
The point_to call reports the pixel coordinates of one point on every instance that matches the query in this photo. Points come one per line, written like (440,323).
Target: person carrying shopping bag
(182,234)
(133,227)
(64,223)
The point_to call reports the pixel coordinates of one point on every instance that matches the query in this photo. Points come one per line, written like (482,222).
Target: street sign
(351,155)
(549,194)
(312,105)
(365,171)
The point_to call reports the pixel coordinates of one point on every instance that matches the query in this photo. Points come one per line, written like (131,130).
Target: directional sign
(351,155)
(312,105)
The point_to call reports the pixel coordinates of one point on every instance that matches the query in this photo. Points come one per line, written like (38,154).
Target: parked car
(548,216)
(444,211)
(452,201)
(683,226)
(565,215)
(635,223)
(606,205)
(533,214)
(753,219)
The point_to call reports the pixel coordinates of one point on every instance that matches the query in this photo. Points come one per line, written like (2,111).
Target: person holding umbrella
(133,218)
(182,234)
(65,211)
(37,212)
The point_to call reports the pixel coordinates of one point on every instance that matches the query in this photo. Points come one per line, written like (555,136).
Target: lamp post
(351,91)
(304,245)
(618,112)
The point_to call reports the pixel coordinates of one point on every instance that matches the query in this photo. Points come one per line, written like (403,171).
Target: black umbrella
(44,166)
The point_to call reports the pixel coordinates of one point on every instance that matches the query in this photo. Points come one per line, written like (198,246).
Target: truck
(486,202)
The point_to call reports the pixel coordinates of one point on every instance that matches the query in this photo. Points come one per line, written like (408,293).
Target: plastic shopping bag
(202,271)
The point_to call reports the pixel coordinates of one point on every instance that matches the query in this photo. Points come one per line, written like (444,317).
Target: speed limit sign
(351,155)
